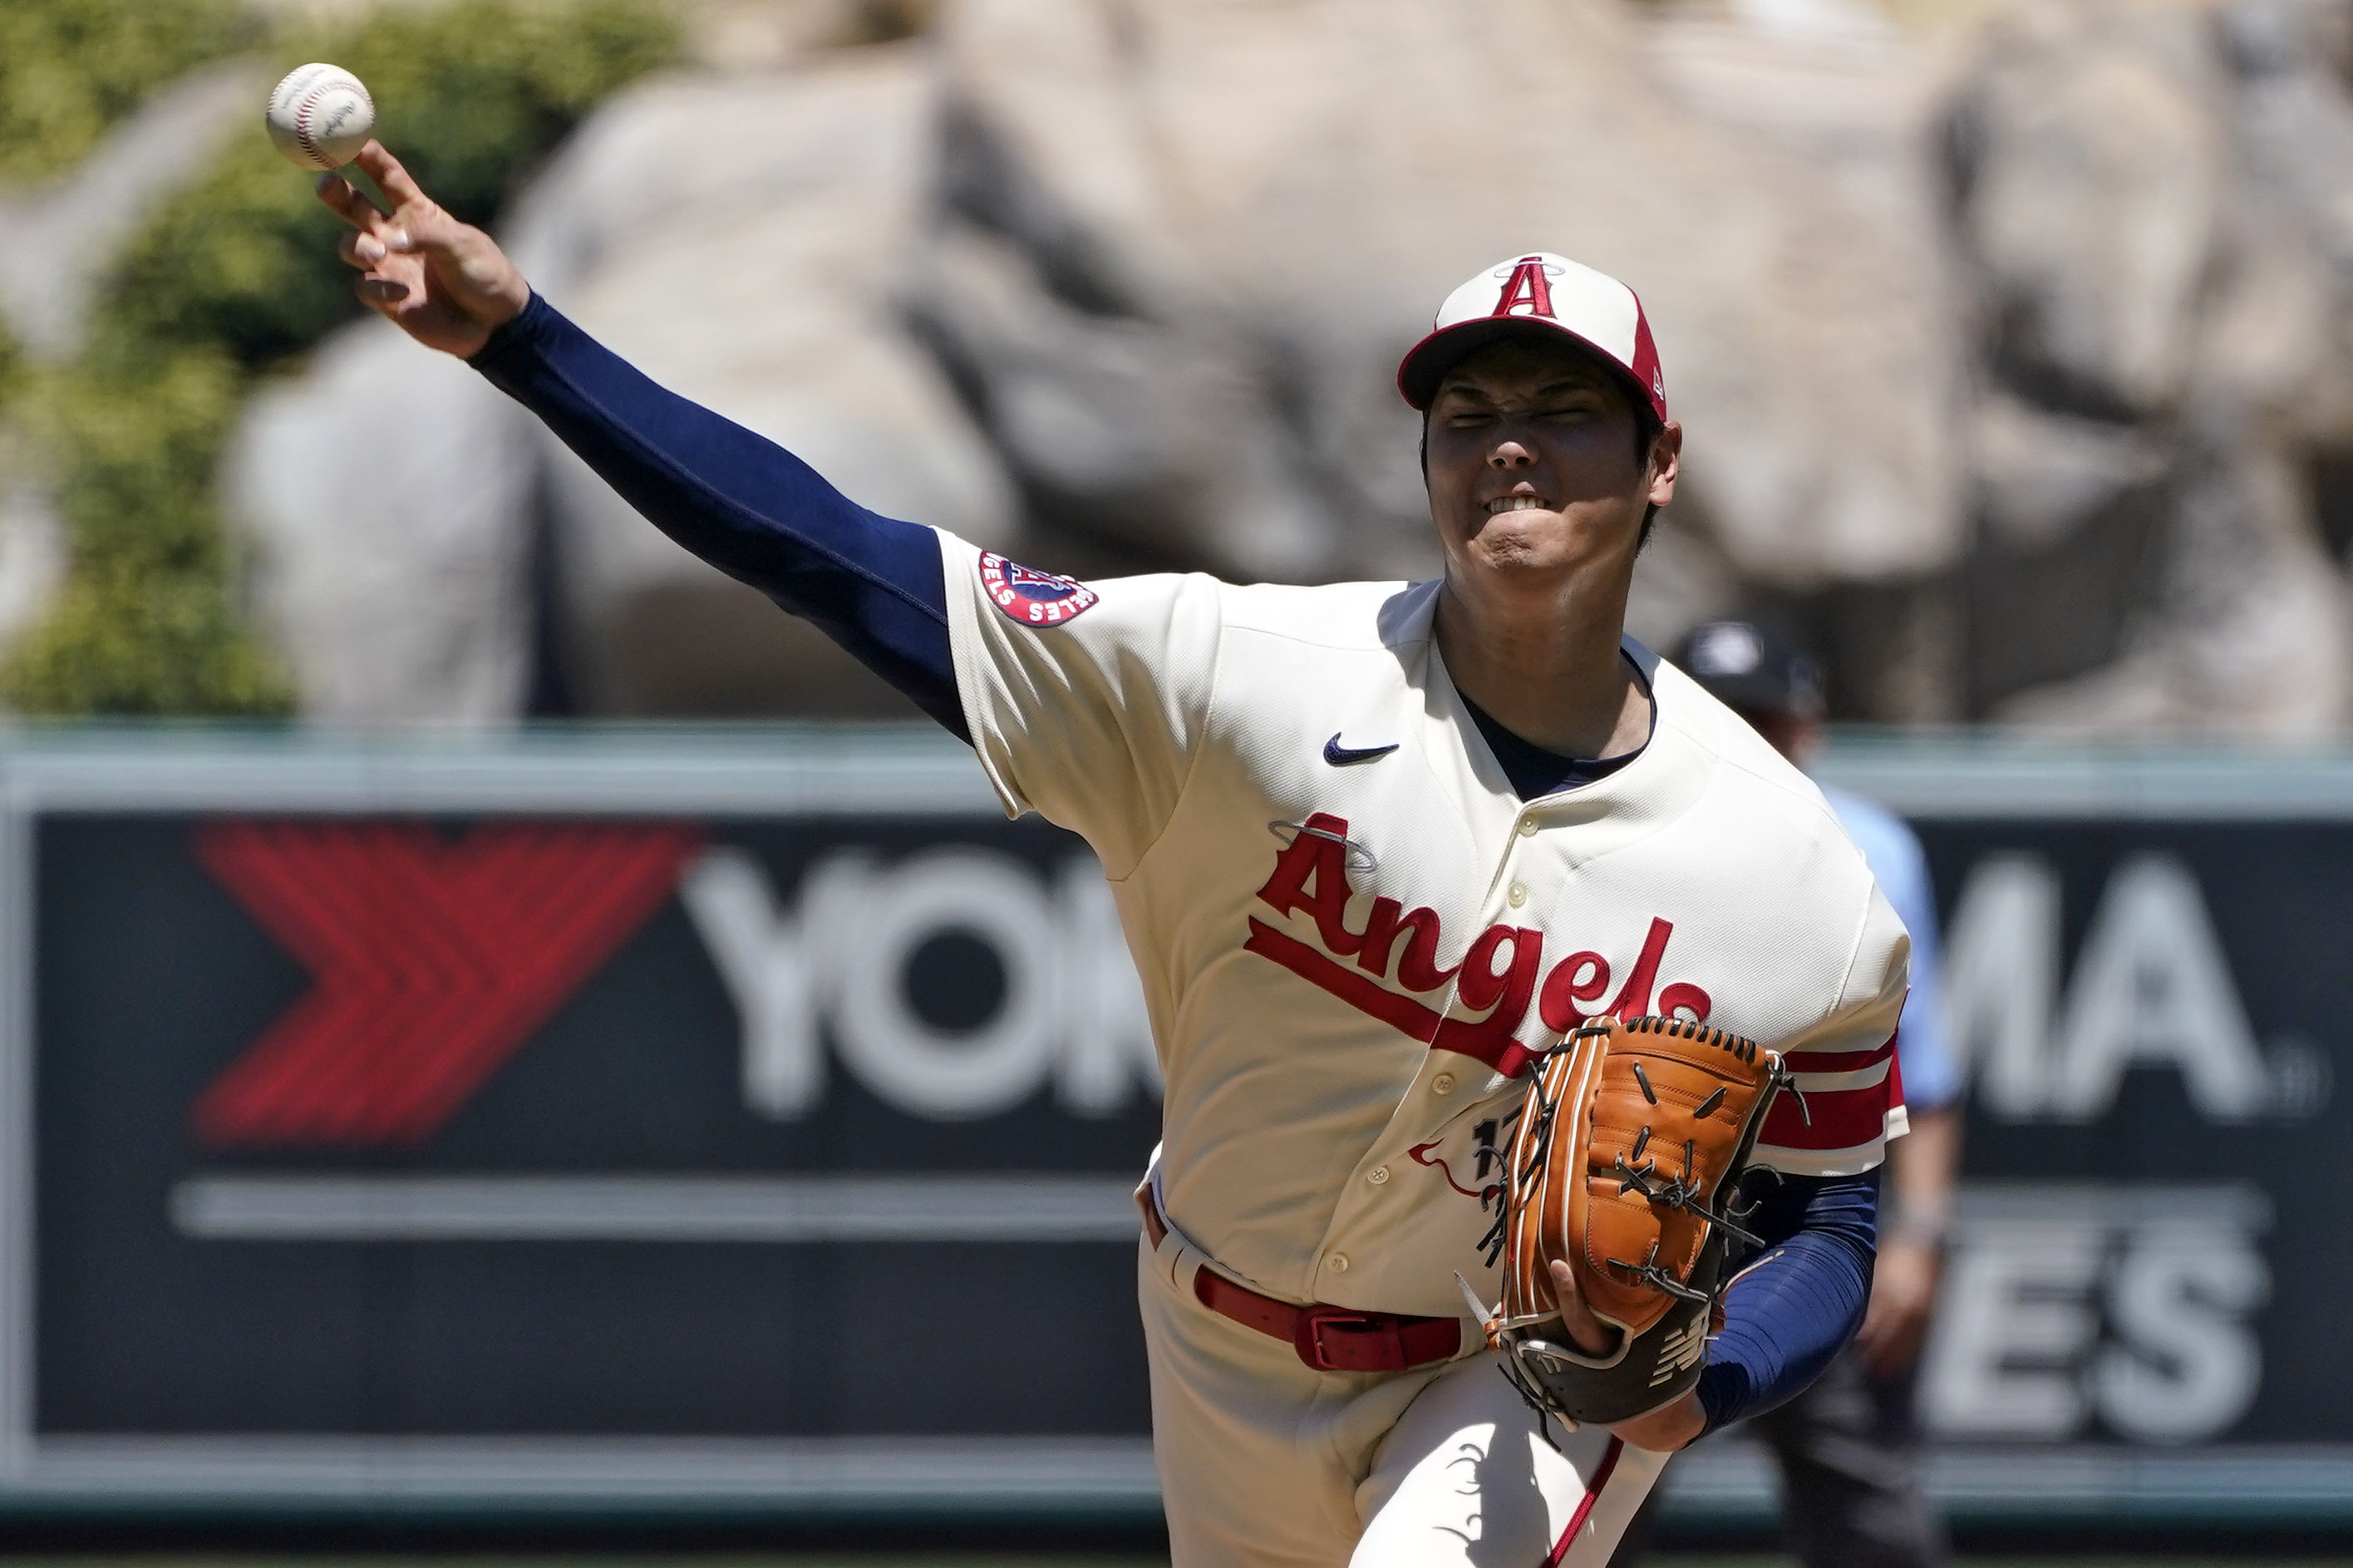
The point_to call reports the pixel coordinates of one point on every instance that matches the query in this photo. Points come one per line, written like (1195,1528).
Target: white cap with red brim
(1541,292)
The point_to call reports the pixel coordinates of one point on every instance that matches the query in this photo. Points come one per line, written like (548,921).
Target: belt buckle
(1307,1338)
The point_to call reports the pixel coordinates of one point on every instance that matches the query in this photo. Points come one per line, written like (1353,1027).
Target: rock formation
(2016,369)
(2153,208)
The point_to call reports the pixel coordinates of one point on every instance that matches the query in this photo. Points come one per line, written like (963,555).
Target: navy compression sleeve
(1796,1307)
(741,502)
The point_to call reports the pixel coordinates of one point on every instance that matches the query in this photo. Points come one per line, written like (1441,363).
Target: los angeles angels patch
(1032,598)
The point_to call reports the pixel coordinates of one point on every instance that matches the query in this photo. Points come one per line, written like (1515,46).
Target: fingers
(361,250)
(390,177)
(345,201)
(1577,1319)
(1573,1311)
(379,293)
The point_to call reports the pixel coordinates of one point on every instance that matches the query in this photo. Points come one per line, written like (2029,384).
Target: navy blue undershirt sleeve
(873,584)
(1801,1301)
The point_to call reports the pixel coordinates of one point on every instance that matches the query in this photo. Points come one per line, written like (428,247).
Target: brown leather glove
(1624,1159)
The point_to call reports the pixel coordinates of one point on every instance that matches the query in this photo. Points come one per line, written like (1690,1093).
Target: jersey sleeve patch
(1032,598)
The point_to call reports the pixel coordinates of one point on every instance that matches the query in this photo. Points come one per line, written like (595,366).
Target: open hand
(444,283)
(1663,1430)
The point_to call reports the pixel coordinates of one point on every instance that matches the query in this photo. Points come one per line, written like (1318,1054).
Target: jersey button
(1442,1084)
(1337,1263)
(1377,1175)
(1517,894)
(1528,828)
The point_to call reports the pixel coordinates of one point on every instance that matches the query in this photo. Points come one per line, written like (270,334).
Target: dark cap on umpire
(1541,293)
(1754,666)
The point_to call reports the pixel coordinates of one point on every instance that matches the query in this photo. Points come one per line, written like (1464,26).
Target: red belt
(1329,1339)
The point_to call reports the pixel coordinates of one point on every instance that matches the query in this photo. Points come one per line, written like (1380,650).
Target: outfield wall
(720,1125)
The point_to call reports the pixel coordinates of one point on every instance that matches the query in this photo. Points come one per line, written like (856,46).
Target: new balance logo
(1681,1350)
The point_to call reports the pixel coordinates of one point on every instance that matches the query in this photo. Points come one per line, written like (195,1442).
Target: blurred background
(508,1044)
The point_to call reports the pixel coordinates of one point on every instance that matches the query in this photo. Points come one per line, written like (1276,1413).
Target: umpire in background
(1849,1446)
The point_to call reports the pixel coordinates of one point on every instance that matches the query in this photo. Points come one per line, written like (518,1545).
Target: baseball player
(1376,847)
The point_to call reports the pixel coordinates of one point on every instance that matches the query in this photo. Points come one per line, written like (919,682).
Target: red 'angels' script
(435,961)
(1499,973)
(1503,974)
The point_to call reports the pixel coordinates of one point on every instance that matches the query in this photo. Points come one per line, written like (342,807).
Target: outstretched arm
(734,499)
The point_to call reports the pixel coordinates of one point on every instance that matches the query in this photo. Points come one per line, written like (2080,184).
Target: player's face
(1532,464)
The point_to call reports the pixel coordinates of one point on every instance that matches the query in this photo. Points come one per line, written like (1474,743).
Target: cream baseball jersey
(1353,935)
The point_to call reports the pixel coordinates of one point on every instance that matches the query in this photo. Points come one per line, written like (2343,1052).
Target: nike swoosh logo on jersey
(1340,756)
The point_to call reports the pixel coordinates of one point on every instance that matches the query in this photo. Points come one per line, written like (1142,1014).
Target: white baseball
(321,116)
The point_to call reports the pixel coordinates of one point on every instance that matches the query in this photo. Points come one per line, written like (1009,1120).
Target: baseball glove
(1623,1165)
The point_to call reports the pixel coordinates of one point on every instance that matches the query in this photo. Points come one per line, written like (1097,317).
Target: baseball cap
(1754,664)
(1538,292)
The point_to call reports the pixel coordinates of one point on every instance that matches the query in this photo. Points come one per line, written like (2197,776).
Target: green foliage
(235,272)
(470,96)
(473,96)
(124,642)
(12,367)
(145,623)
(134,445)
(69,68)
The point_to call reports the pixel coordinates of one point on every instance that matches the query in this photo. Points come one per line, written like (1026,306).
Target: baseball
(321,116)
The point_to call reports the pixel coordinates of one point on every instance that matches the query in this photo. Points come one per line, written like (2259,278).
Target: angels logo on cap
(1526,283)
(1538,291)
(1033,598)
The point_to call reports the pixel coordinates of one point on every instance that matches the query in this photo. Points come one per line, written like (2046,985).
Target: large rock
(385,500)
(2093,154)
(1835,86)
(2154,206)
(742,242)
(2021,376)
(1233,218)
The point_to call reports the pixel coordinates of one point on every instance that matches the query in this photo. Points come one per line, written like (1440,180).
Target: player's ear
(1666,463)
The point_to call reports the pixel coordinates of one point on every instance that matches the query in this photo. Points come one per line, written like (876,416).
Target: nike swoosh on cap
(1340,756)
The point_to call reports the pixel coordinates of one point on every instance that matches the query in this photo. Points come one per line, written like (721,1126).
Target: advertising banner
(593,1127)
(630,1123)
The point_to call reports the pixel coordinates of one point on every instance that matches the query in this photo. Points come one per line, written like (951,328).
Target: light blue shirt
(1931,1078)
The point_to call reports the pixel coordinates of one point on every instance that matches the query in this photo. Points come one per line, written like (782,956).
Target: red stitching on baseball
(302,107)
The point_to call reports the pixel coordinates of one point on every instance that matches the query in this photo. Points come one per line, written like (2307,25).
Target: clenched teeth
(1514,503)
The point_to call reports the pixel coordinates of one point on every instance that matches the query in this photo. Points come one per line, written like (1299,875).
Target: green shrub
(235,273)
(134,444)
(12,367)
(145,623)
(69,68)
(128,642)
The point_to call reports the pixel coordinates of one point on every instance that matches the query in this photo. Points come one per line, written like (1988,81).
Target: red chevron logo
(435,961)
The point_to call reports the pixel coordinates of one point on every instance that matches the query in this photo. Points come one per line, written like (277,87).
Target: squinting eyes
(1468,417)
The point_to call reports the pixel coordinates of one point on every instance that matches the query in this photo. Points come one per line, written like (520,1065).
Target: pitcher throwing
(1379,849)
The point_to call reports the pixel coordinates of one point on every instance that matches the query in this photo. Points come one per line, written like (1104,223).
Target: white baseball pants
(1266,1463)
